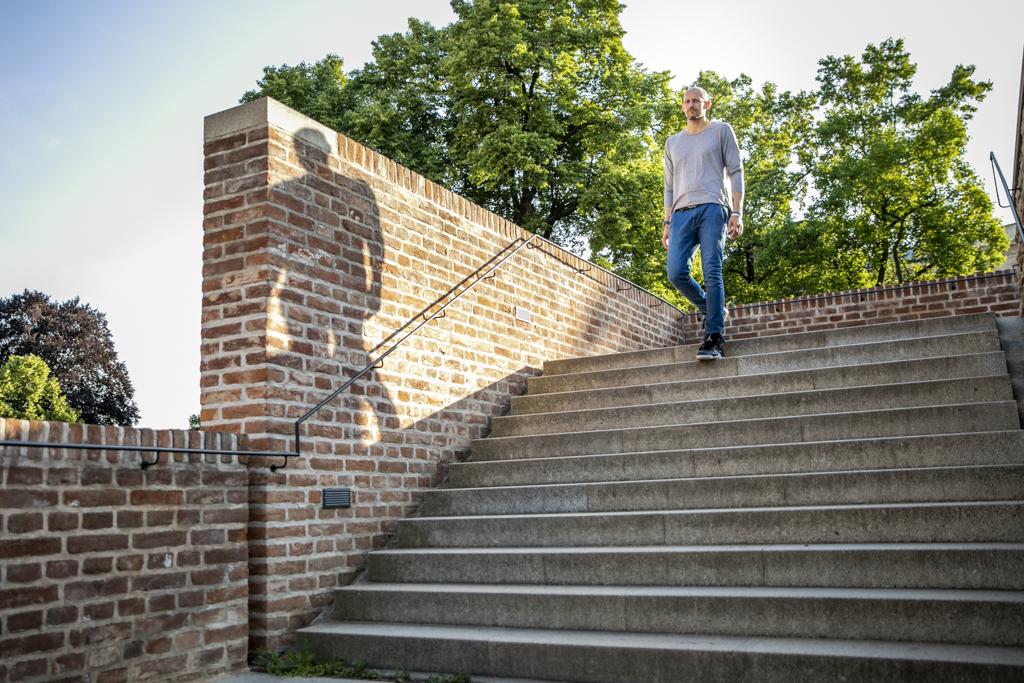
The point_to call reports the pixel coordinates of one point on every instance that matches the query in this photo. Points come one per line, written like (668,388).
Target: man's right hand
(664,237)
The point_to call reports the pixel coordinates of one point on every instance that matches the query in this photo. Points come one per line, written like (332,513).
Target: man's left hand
(735,228)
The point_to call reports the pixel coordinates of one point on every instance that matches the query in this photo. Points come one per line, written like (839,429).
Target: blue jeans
(704,226)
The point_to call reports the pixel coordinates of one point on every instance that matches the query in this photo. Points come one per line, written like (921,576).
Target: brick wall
(109,573)
(996,293)
(317,248)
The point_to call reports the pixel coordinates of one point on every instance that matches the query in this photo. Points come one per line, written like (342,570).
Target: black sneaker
(712,348)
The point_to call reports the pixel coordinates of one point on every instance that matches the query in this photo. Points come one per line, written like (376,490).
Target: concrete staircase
(838,505)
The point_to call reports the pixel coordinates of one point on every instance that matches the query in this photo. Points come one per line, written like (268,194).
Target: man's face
(695,106)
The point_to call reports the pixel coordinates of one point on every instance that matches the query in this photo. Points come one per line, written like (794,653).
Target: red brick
(61,569)
(23,621)
(68,663)
(130,563)
(27,498)
(97,520)
(153,582)
(57,616)
(160,603)
(24,573)
(85,590)
(158,539)
(97,543)
(131,606)
(166,498)
(95,498)
(37,642)
(99,612)
(30,476)
(29,669)
(22,597)
(98,565)
(92,476)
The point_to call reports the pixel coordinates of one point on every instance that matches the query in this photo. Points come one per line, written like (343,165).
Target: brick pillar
(316,249)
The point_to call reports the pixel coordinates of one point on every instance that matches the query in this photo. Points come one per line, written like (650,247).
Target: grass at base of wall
(304,664)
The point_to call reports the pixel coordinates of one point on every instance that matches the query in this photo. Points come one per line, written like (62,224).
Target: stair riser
(926,451)
(853,568)
(865,334)
(788,361)
(611,663)
(880,423)
(950,367)
(982,523)
(848,488)
(944,392)
(924,620)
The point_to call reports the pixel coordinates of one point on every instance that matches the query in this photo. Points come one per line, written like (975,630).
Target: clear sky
(102,105)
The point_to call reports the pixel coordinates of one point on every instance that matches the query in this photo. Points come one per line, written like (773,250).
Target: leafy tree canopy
(27,391)
(73,339)
(896,200)
(534,110)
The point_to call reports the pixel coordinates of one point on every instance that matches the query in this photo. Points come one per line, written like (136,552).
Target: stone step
(764,363)
(965,617)
(949,419)
(918,485)
(960,522)
(975,448)
(724,410)
(618,656)
(978,566)
(899,332)
(865,374)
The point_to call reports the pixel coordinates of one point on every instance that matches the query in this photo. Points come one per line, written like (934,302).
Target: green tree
(75,342)
(896,200)
(317,90)
(27,391)
(520,105)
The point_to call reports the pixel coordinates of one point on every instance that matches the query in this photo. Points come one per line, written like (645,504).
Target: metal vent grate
(337,498)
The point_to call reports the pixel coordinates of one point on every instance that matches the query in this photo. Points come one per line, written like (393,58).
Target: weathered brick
(27,498)
(158,539)
(61,569)
(94,498)
(57,616)
(95,543)
(24,596)
(24,621)
(36,642)
(162,498)
(24,573)
(23,524)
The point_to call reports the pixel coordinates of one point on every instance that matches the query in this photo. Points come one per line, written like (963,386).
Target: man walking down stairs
(820,506)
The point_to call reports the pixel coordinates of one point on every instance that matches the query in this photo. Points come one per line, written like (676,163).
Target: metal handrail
(416,322)
(499,258)
(1009,197)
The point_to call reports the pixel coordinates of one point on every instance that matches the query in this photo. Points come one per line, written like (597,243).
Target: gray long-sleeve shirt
(695,167)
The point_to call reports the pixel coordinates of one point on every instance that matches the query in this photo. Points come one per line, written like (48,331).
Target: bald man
(700,211)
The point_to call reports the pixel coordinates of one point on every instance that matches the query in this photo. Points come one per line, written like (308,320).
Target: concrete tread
(836,400)
(740,592)
(699,386)
(659,641)
(812,339)
(987,340)
(670,549)
(875,416)
(912,444)
(715,511)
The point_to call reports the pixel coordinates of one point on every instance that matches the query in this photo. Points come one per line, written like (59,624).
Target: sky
(102,105)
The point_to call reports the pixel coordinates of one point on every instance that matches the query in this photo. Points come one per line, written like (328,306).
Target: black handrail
(499,258)
(1009,197)
(402,333)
